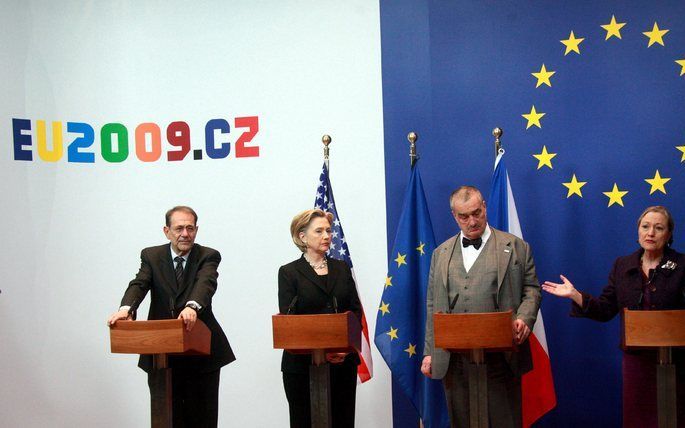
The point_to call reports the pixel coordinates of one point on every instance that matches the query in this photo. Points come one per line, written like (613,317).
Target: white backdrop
(74,231)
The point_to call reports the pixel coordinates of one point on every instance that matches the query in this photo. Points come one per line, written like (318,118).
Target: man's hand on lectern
(118,315)
(189,316)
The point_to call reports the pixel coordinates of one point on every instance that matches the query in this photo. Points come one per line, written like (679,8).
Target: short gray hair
(464,193)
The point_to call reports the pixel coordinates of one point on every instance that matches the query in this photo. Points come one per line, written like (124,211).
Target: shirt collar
(174,255)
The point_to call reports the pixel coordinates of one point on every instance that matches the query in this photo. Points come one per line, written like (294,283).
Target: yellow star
(543,76)
(681,62)
(385,308)
(656,35)
(420,248)
(572,44)
(657,183)
(574,187)
(400,259)
(392,333)
(615,196)
(613,28)
(544,158)
(533,118)
(411,350)
(682,149)
(388,281)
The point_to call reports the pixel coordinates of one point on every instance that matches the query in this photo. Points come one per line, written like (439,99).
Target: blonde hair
(661,210)
(302,221)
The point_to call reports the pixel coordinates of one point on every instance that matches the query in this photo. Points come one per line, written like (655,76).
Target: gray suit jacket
(517,289)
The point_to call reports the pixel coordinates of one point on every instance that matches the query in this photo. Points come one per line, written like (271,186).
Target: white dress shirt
(470,254)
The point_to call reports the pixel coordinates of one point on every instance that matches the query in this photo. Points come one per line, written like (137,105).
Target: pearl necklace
(322,265)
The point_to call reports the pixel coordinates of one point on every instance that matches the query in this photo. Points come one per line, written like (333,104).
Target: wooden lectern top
(159,337)
(303,334)
(653,329)
(490,331)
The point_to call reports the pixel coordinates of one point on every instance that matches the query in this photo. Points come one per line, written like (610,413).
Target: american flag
(340,251)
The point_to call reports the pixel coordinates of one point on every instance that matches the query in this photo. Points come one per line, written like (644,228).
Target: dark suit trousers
(504,392)
(195,398)
(343,392)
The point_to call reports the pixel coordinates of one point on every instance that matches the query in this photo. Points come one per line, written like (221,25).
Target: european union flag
(401,318)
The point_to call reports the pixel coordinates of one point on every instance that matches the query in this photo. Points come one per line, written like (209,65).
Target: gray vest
(477,289)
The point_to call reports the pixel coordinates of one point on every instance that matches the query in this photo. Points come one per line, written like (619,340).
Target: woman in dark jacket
(316,284)
(652,278)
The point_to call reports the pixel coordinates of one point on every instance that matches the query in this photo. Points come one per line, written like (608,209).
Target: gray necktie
(179,271)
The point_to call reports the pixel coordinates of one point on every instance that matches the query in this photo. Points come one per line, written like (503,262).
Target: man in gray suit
(482,269)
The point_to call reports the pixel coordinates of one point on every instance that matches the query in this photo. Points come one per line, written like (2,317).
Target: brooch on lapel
(670,265)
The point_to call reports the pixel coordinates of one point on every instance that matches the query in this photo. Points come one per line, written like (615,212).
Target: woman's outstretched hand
(563,289)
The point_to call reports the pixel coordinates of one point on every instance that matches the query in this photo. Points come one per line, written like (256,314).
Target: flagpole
(400,320)
(537,386)
(497,133)
(326,140)
(324,201)
(413,157)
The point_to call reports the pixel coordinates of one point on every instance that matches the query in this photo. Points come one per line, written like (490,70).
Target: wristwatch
(193,305)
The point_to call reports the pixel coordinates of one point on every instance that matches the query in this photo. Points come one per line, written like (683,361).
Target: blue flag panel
(590,98)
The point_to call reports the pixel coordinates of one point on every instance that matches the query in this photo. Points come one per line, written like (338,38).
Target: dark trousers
(504,392)
(195,398)
(343,395)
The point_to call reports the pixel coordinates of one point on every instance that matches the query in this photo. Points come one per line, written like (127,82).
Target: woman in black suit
(316,284)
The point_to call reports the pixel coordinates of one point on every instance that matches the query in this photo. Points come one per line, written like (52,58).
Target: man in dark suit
(482,269)
(182,277)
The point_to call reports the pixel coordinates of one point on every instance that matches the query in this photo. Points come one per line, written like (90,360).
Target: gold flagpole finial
(326,140)
(413,157)
(497,133)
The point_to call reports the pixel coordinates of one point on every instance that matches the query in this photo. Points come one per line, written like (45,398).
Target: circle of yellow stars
(543,78)
(384,308)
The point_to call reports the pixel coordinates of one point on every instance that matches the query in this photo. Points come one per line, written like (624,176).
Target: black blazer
(157,275)
(299,279)
(624,289)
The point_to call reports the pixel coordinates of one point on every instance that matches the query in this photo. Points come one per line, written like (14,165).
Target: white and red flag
(538,396)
